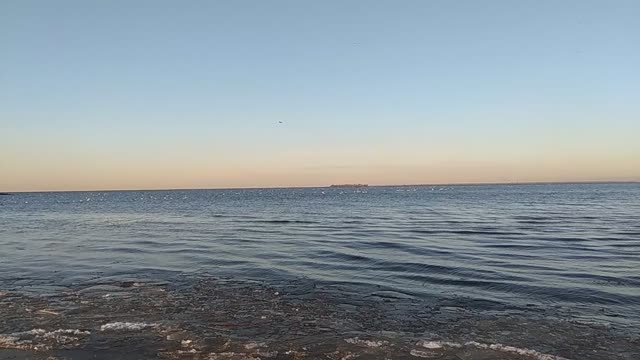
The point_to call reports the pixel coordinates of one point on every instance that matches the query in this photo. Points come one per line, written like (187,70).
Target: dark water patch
(124,250)
(467,232)
(514,246)
(283,221)
(625,245)
(338,256)
(258,230)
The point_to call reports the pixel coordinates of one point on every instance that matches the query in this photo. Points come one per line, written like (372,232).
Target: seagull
(280,122)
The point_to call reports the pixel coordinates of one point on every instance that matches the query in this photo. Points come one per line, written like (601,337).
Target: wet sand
(212,318)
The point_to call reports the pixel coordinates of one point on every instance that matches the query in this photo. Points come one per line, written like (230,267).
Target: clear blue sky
(156,94)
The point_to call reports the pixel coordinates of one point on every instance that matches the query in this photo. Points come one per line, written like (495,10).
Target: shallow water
(553,269)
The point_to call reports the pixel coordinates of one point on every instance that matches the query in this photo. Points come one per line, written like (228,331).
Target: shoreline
(216,318)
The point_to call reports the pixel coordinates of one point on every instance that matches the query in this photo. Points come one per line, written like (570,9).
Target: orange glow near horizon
(222,95)
(75,172)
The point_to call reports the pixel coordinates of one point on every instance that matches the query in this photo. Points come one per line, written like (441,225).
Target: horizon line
(329,186)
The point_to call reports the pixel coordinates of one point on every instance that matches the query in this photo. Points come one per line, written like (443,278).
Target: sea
(518,271)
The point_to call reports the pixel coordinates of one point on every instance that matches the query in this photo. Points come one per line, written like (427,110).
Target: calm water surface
(572,247)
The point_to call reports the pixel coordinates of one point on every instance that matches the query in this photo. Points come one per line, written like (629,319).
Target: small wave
(516,350)
(284,221)
(534,218)
(514,246)
(125,326)
(45,333)
(467,232)
(40,339)
(438,344)
(367,343)
(434,345)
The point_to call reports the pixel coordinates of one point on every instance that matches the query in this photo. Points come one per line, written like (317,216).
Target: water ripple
(573,245)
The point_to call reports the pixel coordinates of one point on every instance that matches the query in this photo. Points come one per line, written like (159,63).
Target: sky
(207,94)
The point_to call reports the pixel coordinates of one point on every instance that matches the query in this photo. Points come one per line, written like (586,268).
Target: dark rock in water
(3,193)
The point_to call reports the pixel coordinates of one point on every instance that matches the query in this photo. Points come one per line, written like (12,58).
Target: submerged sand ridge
(212,318)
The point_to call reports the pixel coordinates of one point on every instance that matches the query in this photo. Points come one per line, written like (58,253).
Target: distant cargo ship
(349,185)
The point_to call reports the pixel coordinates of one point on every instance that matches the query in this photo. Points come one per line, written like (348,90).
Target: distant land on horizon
(515,183)
(348,185)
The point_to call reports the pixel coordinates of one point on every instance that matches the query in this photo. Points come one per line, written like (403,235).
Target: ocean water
(375,271)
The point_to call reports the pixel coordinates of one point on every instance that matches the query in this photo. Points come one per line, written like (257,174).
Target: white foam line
(496,347)
(515,350)
(438,344)
(45,333)
(35,339)
(125,326)
(369,343)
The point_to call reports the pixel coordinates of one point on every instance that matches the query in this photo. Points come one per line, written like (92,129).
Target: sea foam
(125,326)
(434,344)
